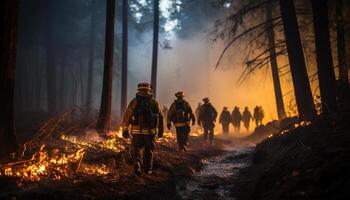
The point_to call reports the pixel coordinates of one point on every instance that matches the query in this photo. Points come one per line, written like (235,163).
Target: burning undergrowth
(62,151)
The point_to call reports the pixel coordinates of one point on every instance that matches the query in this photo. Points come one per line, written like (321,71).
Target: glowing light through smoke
(167,9)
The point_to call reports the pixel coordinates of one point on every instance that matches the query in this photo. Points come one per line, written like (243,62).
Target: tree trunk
(104,121)
(155,46)
(324,58)
(124,58)
(8,41)
(81,79)
(38,82)
(62,82)
(302,90)
(343,70)
(273,62)
(92,38)
(50,63)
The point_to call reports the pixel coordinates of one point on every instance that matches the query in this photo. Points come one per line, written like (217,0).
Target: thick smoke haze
(186,63)
(190,67)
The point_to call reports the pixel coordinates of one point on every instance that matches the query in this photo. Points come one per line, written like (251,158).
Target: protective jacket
(180,113)
(143,115)
(257,115)
(207,114)
(225,117)
(236,116)
(247,116)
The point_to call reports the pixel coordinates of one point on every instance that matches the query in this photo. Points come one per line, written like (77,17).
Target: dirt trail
(214,181)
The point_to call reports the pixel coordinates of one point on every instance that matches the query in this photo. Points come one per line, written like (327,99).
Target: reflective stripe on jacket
(136,130)
(181,124)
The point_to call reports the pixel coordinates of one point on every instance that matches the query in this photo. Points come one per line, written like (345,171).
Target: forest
(175,99)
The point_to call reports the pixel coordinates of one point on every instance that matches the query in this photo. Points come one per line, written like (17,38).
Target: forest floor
(170,167)
(309,161)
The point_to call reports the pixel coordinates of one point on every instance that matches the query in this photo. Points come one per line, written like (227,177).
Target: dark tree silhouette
(62,78)
(342,65)
(273,62)
(302,90)
(324,58)
(50,62)
(124,86)
(8,40)
(155,46)
(92,40)
(104,120)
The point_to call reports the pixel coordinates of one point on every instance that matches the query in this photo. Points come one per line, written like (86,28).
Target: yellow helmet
(179,94)
(144,86)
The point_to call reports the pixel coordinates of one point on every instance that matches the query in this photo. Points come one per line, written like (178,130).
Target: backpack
(207,114)
(180,114)
(145,113)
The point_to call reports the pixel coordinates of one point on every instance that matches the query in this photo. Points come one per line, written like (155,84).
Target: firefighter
(262,114)
(236,119)
(181,114)
(144,119)
(225,120)
(207,117)
(247,116)
(257,115)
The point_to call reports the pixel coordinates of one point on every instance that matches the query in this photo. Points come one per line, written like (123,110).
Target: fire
(58,164)
(101,170)
(168,137)
(197,132)
(115,144)
(302,124)
(42,166)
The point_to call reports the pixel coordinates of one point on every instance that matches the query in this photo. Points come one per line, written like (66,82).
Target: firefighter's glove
(125,134)
(168,126)
(160,133)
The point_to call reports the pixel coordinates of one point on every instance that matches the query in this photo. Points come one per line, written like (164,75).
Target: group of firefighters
(143,120)
(236,117)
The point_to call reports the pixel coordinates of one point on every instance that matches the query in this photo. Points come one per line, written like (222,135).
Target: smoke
(189,66)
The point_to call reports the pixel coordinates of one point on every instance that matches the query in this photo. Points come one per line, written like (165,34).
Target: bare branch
(238,37)
(262,62)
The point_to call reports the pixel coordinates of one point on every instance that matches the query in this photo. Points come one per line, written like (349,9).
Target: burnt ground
(311,162)
(308,162)
(170,166)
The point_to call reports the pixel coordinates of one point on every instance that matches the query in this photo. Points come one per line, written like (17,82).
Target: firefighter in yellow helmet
(181,114)
(144,119)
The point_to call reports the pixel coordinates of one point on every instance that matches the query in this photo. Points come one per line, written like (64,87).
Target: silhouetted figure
(262,114)
(236,119)
(225,120)
(257,116)
(181,114)
(246,117)
(145,119)
(206,118)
